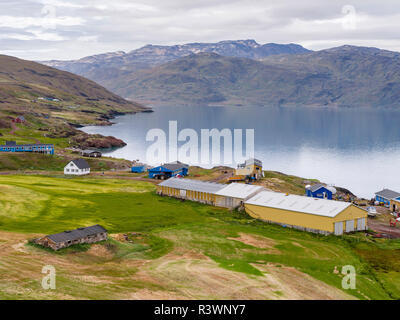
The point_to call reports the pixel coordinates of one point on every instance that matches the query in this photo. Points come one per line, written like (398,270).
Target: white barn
(77,167)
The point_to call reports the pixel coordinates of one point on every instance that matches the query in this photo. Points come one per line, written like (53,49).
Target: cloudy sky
(71,29)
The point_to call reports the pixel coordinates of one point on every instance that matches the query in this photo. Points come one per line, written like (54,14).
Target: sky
(72,29)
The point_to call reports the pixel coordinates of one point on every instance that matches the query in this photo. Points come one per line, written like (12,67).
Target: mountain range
(247,73)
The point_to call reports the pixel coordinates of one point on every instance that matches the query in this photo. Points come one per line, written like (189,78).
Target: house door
(394,207)
(338,228)
(361,224)
(349,225)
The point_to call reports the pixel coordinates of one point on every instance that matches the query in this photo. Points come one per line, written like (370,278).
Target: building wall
(138,169)
(396,204)
(249,170)
(227,202)
(320,193)
(197,196)
(168,173)
(47,149)
(304,220)
(231,202)
(74,170)
(46,242)
(381,199)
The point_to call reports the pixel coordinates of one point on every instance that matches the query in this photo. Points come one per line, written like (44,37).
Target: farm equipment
(393,222)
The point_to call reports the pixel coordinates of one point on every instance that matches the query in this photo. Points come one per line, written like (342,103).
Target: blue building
(320,191)
(138,168)
(386,195)
(12,146)
(168,170)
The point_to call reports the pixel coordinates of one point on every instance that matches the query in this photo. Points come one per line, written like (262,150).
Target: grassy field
(180,250)
(22,161)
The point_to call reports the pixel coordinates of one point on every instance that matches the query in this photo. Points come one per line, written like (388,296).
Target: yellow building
(221,195)
(308,214)
(252,168)
(194,190)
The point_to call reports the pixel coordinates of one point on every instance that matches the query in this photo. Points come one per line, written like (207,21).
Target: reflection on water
(352,148)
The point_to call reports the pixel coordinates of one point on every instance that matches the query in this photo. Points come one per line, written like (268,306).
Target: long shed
(308,214)
(195,190)
(234,194)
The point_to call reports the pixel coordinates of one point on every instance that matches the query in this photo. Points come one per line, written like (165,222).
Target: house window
(67,170)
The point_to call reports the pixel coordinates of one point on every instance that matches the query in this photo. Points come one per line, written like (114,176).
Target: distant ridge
(244,72)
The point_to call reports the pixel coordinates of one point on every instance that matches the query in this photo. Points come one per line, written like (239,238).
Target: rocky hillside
(53,102)
(345,76)
(112,69)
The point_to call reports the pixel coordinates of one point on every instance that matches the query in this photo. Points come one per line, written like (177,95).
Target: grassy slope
(32,204)
(49,163)
(81,101)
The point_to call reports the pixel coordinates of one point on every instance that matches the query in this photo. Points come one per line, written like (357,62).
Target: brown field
(181,274)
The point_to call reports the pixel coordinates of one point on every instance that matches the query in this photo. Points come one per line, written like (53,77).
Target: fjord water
(358,149)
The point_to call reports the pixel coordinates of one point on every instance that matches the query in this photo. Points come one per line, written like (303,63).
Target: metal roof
(14,144)
(315,206)
(239,190)
(316,187)
(193,185)
(81,163)
(76,234)
(170,166)
(388,194)
(89,151)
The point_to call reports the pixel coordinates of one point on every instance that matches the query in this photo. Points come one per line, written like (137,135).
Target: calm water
(355,149)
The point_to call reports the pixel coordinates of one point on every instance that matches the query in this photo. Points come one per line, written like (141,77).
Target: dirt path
(106,175)
(382,226)
(13,128)
(182,274)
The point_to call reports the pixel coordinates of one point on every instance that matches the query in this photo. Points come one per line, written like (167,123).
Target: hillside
(163,248)
(113,69)
(344,76)
(53,102)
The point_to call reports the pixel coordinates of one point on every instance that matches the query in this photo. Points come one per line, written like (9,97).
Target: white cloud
(26,22)
(105,25)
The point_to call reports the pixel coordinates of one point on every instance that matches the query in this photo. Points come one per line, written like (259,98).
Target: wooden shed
(68,238)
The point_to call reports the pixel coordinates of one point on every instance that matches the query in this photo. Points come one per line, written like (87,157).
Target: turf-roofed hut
(68,238)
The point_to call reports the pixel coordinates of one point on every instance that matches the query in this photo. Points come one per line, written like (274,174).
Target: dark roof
(81,163)
(76,234)
(181,163)
(171,166)
(90,151)
(316,187)
(388,194)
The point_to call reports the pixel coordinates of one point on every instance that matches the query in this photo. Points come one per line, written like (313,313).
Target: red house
(19,119)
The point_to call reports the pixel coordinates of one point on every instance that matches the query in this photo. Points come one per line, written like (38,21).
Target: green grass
(38,204)
(20,161)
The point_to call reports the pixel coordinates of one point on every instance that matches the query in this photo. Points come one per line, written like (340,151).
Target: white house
(77,167)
